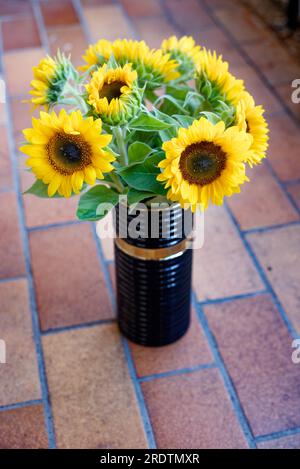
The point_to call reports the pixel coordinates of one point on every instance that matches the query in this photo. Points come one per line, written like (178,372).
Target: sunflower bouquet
(170,124)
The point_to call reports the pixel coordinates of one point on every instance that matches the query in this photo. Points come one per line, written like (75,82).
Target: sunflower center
(111,90)
(68,153)
(201,163)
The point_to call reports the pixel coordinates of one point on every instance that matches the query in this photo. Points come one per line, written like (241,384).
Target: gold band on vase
(158,254)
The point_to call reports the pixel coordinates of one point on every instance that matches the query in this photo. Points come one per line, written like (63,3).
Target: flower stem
(116,182)
(119,135)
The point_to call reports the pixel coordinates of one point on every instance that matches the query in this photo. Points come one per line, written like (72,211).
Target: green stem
(119,135)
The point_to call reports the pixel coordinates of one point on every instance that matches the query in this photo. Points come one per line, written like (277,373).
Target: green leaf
(147,122)
(40,189)
(211,116)
(142,176)
(167,134)
(137,152)
(134,196)
(184,121)
(95,203)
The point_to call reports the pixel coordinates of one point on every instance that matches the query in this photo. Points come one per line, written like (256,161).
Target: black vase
(153,274)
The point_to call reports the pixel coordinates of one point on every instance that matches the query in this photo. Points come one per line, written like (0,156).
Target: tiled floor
(70,380)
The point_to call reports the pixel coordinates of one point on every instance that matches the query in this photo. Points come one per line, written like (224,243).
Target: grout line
(12,279)
(291,182)
(237,45)
(53,225)
(25,243)
(57,330)
(40,23)
(227,299)
(239,411)
(266,229)
(129,19)
(20,405)
(82,20)
(263,276)
(276,435)
(283,187)
(181,371)
(139,395)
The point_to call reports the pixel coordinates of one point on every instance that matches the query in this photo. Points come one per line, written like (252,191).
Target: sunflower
(50,76)
(224,84)
(114,93)
(184,51)
(152,65)
(250,119)
(204,163)
(67,150)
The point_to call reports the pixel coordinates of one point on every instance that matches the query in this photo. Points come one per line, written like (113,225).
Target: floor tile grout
(25,243)
(179,372)
(238,409)
(20,405)
(262,275)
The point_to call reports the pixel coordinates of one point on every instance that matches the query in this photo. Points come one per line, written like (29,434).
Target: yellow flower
(151,65)
(183,50)
(114,94)
(50,77)
(250,119)
(67,150)
(215,69)
(205,162)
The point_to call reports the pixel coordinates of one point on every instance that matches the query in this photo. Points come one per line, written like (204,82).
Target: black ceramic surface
(153,296)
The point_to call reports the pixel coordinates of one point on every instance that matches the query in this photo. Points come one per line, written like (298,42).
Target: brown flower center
(111,90)
(201,163)
(68,153)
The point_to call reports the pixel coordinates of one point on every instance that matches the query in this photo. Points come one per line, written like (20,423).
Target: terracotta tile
(58,12)
(285,91)
(214,39)
(22,116)
(67,296)
(23,428)
(277,251)
(154,30)
(248,208)
(294,191)
(286,442)
(242,24)
(107,22)
(190,351)
(192,411)
(221,4)
(13,7)
(20,33)
(273,60)
(19,375)
(189,15)
(70,40)
(284,144)
(257,88)
(93,399)
(256,348)
(222,266)
(11,250)
(5,163)
(21,60)
(136,8)
(41,211)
